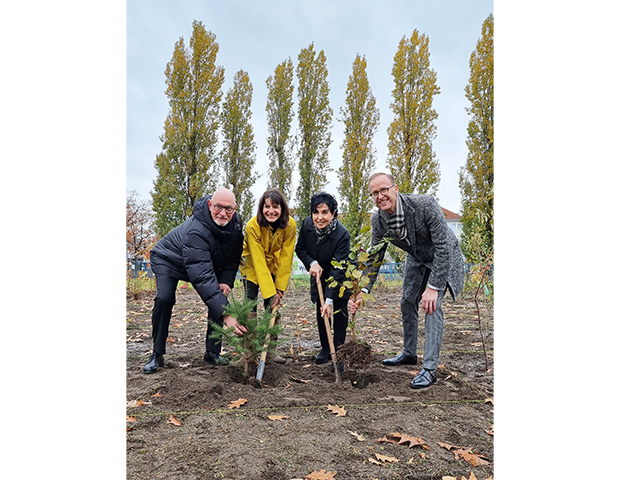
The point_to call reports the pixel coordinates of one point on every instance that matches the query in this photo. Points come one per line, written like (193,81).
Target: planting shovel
(263,355)
(328,328)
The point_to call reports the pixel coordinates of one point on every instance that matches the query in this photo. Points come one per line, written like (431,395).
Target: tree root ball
(354,354)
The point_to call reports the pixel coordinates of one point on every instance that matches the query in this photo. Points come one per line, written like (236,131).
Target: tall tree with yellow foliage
(238,147)
(186,165)
(315,120)
(360,116)
(476,176)
(279,119)
(411,158)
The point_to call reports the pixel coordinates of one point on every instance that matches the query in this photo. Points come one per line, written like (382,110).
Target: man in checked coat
(434,265)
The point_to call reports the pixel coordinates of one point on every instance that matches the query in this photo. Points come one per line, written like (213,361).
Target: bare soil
(217,441)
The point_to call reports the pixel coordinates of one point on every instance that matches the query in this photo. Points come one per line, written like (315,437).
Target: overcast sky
(257,36)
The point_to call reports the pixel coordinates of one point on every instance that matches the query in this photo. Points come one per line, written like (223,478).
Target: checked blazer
(432,245)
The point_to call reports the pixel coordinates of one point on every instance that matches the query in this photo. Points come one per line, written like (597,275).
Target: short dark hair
(277,198)
(327,199)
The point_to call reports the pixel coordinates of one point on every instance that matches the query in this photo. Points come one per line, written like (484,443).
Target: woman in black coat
(322,238)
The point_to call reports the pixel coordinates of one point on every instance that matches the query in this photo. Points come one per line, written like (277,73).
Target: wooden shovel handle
(328,329)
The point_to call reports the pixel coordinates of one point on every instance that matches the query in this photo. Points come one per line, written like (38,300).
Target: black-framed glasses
(219,208)
(383,191)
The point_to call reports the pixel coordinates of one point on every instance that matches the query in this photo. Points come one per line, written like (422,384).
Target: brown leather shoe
(274,357)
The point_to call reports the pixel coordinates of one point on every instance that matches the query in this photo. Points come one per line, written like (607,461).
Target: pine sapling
(249,346)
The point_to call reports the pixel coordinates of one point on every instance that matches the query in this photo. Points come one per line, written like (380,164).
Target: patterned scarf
(321,234)
(396,225)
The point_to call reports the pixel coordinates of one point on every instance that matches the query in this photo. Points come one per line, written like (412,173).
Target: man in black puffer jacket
(204,250)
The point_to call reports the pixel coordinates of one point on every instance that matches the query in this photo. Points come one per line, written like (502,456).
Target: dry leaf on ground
(131,419)
(339,411)
(357,435)
(383,459)
(404,438)
(322,475)
(156,395)
(277,417)
(447,446)
(473,458)
(174,421)
(237,403)
(137,403)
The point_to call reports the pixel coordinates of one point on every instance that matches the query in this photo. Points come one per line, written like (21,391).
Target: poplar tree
(411,158)
(279,119)
(238,152)
(186,165)
(476,176)
(315,117)
(360,116)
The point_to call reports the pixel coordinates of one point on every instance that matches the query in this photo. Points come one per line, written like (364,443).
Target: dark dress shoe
(340,367)
(155,361)
(424,379)
(401,359)
(215,359)
(322,357)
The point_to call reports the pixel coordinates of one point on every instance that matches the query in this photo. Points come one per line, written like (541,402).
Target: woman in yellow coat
(268,249)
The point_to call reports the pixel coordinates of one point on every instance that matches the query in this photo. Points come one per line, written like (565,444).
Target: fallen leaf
(137,403)
(174,421)
(473,459)
(386,459)
(404,438)
(131,419)
(390,440)
(322,475)
(412,459)
(237,403)
(156,395)
(376,462)
(449,478)
(339,411)
(277,417)
(471,476)
(357,435)
(447,446)
(489,400)
(492,431)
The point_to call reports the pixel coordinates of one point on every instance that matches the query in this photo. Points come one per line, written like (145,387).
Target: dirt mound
(232,427)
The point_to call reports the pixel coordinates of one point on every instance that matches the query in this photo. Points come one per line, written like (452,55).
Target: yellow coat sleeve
(257,270)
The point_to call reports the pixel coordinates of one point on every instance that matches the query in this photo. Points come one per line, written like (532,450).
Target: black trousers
(251,292)
(340,322)
(162,313)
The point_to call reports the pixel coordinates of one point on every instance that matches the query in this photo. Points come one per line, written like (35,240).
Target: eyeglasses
(383,191)
(219,208)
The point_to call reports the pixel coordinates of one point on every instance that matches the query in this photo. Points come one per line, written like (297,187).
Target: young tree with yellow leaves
(238,152)
(411,158)
(279,118)
(315,117)
(186,164)
(476,176)
(360,116)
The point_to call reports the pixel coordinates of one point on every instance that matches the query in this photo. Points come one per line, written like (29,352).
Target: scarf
(397,228)
(321,234)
